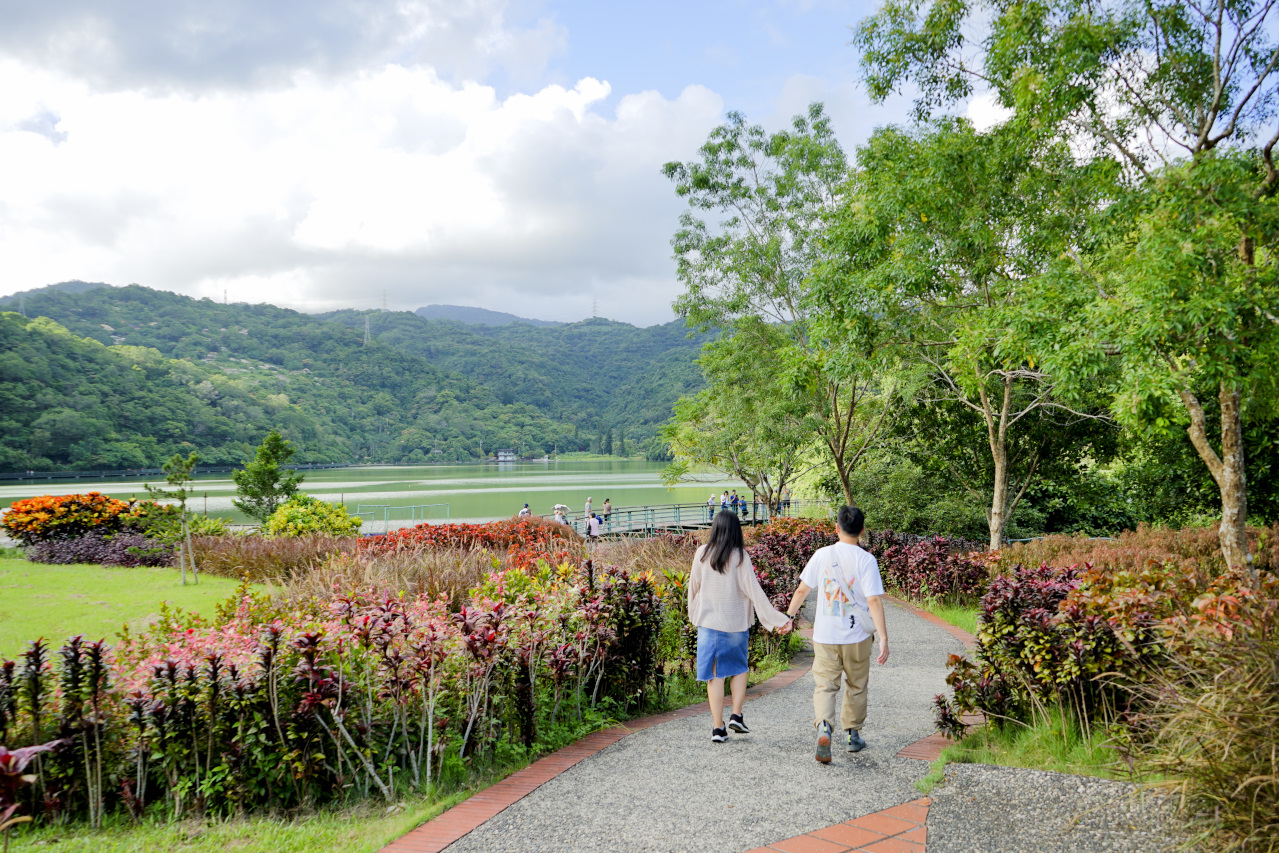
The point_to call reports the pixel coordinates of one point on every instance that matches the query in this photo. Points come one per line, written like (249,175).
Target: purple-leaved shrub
(120,549)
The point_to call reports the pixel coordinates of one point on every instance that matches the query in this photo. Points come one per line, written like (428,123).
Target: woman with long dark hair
(724,597)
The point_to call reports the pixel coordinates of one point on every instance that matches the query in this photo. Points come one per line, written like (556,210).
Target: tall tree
(750,269)
(743,423)
(1183,96)
(943,240)
(264,483)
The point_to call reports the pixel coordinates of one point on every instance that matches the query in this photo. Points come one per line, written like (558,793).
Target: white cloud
(196,45)
(324,192)
(985,112)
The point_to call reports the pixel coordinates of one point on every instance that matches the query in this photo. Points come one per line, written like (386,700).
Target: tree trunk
(1227,471)
(1234,488)
(997,435)
(997,516)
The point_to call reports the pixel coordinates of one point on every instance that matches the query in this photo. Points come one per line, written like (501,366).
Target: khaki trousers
(852,661)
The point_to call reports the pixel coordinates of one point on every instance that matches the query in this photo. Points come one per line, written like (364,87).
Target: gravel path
(669,788)
(1006,810)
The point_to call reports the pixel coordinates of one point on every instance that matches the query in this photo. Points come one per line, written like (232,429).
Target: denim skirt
(721,654)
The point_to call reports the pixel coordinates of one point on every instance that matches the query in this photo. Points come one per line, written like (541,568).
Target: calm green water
(475,492)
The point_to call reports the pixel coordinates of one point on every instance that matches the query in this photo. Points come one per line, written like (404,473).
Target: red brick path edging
(441,831)
(900,829)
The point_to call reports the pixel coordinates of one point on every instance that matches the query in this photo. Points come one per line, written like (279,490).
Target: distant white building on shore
(507,456)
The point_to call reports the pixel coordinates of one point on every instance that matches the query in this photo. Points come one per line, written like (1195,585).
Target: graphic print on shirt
(834,602)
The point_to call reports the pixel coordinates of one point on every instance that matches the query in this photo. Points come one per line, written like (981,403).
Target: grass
(1055,742)
(57,602)
(366,827)
(958,614)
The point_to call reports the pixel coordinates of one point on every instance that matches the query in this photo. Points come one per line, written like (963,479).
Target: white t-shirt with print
(832,623)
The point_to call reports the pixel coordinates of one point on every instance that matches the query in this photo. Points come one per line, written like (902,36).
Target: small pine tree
(621,441)
(263,484)
(608,442)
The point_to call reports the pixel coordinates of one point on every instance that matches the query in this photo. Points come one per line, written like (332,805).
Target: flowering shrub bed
(1190,547)
(929,566)
(493,536)
(276,703)
(1087,635)
(93,528)
(64,517)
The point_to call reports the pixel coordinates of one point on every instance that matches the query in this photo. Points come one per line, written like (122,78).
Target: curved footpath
(659,784)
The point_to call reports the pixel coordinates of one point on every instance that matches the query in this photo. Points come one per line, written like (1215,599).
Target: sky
(325,154)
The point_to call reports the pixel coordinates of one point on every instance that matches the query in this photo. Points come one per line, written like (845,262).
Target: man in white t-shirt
(525,512)
(848,589)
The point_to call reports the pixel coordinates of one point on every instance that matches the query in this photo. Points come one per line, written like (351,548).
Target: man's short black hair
(852,520)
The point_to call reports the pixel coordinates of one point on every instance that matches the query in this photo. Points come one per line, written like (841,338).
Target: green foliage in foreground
(1054,741)
(57,602)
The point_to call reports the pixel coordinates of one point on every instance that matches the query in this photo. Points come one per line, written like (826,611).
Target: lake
(402,493)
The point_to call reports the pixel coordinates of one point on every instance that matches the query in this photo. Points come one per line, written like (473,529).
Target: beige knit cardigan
(729,601)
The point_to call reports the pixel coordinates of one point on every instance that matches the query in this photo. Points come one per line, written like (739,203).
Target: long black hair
(725,541)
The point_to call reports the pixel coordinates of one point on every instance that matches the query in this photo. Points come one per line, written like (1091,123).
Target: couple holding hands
(724,597)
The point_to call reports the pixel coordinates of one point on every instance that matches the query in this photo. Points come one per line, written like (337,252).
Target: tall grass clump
(262,558)
(413,571)
(1209,720)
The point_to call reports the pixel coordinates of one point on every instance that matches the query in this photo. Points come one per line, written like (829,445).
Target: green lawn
(361,829)
(960,615)
(57,602)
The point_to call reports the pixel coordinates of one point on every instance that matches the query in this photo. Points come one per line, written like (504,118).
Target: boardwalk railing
(676,518)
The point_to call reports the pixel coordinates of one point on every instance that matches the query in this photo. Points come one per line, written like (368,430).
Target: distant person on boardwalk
(593,527)
(850,594)
(588,506)
(724,597)
(525,512)
(608,508)
(785,499)
(710,507)
(559,516)
(723,500)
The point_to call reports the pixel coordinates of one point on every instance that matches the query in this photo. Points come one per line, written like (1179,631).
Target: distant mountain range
(477,316)
(145,373)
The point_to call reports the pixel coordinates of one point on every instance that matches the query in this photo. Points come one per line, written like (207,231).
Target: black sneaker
(737,724)
(855,742)
(823,743)
(719,735)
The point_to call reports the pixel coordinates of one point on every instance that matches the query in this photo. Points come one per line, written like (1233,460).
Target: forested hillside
(596,374)
(126,376)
